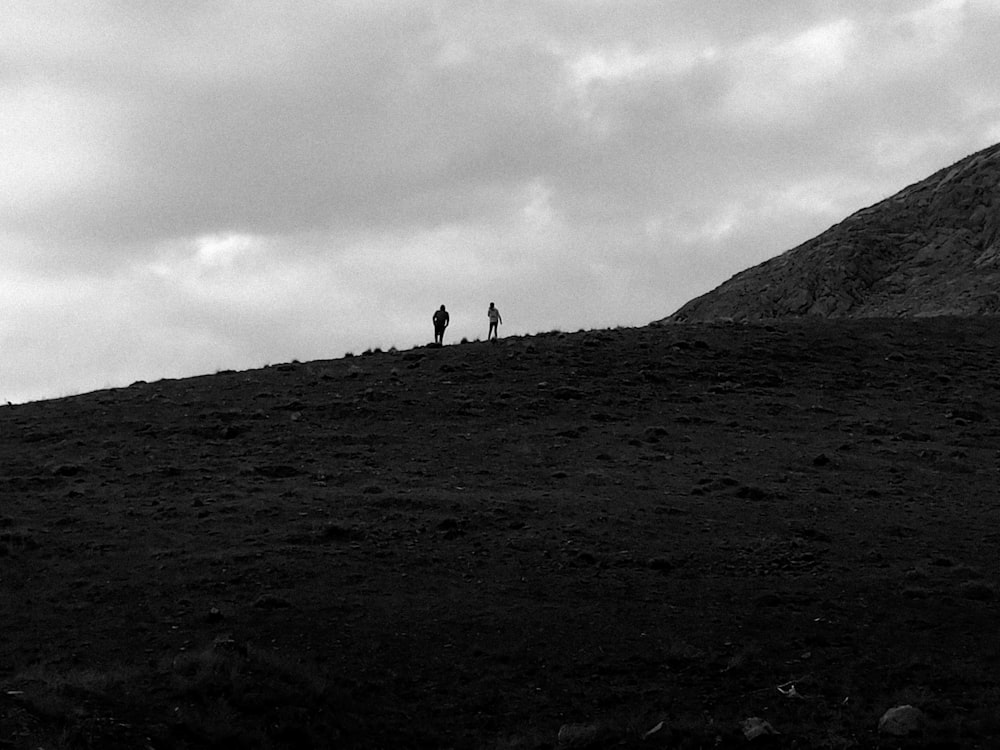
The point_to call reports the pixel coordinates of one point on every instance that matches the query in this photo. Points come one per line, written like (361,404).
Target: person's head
(491,304)
(442,307)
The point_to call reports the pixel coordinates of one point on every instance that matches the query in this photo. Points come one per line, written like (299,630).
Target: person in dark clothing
(441,319)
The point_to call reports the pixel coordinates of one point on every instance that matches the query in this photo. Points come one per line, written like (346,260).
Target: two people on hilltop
(442,319)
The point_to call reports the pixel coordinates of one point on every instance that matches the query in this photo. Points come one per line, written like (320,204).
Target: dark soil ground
(625,538)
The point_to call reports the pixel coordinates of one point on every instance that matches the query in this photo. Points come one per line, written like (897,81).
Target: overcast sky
(196,185)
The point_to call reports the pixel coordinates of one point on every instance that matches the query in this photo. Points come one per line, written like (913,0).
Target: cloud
(256,180)
(59,144)
(272,118)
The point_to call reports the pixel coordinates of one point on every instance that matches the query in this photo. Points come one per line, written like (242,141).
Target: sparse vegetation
(225,695)
(592,534)
(234,693)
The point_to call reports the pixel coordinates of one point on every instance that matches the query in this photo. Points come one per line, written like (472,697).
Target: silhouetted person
(495,320)
(441,319)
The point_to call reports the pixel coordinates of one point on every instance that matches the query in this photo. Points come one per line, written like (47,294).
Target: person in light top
(494,315)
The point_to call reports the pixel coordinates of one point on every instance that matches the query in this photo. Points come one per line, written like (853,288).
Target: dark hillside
(553,541)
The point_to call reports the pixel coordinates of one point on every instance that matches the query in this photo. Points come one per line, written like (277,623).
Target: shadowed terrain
(622,538)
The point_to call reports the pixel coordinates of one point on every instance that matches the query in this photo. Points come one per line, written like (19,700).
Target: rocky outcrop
(931,249)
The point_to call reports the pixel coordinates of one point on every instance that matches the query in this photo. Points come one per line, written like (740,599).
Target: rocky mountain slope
(931,249)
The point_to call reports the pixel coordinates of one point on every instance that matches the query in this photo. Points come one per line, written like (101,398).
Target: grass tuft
(229,694)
